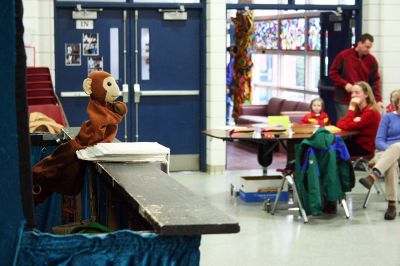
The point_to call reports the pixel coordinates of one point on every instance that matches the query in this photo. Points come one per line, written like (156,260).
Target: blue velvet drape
(48,213)
(119,248)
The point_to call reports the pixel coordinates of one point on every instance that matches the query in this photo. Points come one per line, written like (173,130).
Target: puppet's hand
(120,108)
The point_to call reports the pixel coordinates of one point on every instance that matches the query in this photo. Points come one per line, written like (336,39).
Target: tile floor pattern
(283,239)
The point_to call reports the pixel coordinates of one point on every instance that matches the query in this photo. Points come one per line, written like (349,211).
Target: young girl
(317,115)
(391,108)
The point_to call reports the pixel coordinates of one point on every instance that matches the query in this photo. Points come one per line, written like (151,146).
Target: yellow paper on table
(333,129)
(282,120)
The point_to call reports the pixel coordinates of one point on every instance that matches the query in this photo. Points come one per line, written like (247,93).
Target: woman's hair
(395,95)
(319,100)
(371,98)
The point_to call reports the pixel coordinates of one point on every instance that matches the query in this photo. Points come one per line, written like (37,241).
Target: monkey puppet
(62,171)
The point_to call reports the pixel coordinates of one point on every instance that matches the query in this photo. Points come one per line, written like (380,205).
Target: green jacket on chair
(323,170)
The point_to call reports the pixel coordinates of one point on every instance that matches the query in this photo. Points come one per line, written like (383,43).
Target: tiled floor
(283,239)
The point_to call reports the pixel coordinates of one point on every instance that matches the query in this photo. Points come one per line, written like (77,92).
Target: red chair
(31,85)
(38,77)
(34,100)
(38,70)
(41,92)
(51,110)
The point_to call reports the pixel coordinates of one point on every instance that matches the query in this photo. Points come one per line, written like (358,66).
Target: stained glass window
(314,34)
(266,33)
(292,34)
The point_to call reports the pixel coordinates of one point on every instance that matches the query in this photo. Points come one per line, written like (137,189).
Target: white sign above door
(84,24)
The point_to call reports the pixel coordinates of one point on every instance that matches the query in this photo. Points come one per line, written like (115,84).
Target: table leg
(265,153)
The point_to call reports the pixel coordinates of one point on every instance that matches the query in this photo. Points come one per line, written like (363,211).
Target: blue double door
(162,57)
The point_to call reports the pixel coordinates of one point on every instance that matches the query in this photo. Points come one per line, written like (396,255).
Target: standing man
(353,65)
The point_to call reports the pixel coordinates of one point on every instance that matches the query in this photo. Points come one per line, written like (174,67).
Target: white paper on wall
(145,53)
(114,53)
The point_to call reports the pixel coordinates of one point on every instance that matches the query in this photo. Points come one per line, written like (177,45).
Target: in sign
(84,24)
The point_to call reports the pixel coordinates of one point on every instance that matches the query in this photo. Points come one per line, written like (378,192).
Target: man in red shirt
(352,65)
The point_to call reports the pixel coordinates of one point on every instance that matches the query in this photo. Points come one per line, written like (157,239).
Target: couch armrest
(253,109)
(295,116)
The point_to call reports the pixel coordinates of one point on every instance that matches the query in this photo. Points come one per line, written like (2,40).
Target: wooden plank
(167,205)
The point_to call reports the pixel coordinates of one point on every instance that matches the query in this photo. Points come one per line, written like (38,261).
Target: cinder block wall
(39,31)
(216,81)
(381,19)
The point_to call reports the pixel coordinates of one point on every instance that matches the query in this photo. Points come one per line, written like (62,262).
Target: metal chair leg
(346,210)
(367,198)
(378,187)
(278,194)
(302,211)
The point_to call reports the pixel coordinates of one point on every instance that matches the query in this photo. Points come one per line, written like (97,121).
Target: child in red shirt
(390,108)
(317,115)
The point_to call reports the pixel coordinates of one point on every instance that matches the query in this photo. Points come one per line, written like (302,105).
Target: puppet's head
(101,86)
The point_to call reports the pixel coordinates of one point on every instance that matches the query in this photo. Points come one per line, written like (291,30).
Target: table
(266,142)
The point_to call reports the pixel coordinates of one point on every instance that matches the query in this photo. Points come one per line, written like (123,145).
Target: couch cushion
(289,106)
(251,119)
(275,106)
(302,106)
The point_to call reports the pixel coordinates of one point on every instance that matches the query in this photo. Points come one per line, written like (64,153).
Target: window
(325,2)
(266,34)
(266,66)
(292,71)
(256,2)
(292,34)
(314,71)
(314,34)
(286,58)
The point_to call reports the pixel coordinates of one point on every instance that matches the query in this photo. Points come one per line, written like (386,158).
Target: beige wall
(381,19)
(39,31)
(216,81)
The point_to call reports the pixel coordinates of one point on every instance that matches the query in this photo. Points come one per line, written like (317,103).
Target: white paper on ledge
(135,152)
(125,151)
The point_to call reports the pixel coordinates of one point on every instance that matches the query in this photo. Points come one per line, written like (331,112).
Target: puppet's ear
(87,86)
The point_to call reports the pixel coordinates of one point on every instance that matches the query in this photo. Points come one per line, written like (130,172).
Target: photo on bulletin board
(72,54)
(90,44)
(94,63)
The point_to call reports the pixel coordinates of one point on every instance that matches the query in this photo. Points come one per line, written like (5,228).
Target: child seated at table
(391,108)
(317,115)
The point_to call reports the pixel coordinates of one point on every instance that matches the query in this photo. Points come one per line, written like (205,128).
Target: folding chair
(308,154)
(363,161)
(287,176)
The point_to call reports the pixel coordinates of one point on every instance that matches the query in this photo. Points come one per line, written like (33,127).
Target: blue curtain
(119,248)
(48,213)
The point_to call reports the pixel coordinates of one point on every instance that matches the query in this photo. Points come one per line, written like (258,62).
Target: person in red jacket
(363,116)
(317,115)
(390,108)
(352,65)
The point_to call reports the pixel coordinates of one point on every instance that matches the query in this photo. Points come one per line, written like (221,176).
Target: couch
(258,113)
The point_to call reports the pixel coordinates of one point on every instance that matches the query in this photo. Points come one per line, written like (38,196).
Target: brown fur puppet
(62,171)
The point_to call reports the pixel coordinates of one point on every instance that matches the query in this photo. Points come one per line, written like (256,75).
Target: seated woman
(386,156)
(363,116)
